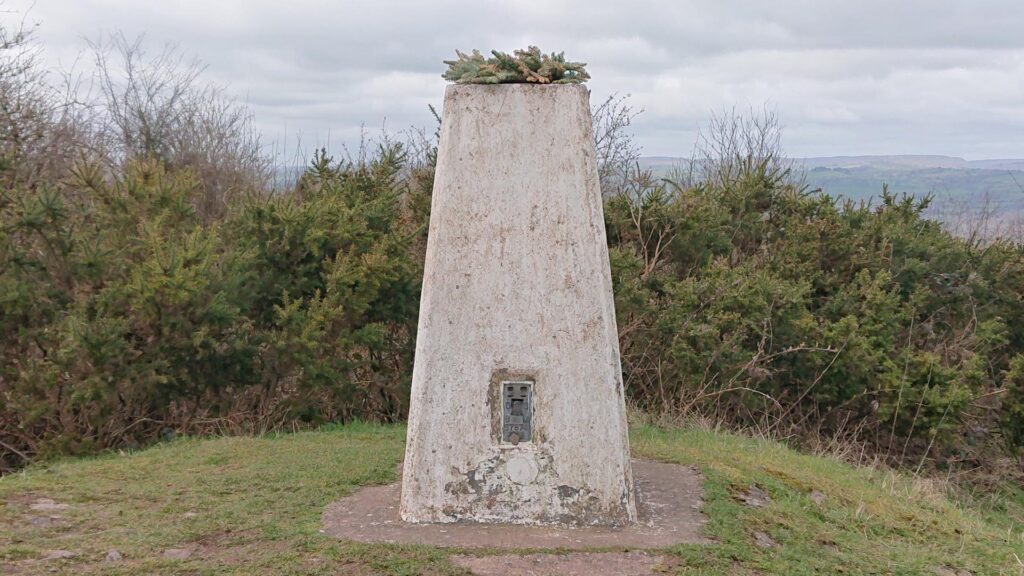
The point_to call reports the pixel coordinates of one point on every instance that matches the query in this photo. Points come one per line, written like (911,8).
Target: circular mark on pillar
(521,470)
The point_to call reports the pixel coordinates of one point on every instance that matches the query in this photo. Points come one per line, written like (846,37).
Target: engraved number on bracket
(516,411)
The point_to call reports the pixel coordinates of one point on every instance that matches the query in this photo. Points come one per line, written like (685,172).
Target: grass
(870,522)
(253,505)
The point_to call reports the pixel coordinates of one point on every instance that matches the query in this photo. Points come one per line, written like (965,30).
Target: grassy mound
(253,505)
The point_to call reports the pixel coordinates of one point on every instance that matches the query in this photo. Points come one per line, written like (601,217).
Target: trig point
(517,411)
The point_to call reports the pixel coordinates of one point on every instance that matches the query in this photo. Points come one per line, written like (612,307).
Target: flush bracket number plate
(516,411)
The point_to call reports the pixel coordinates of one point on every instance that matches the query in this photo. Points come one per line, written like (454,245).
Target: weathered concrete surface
(517,286)
(669,501)
(573,564)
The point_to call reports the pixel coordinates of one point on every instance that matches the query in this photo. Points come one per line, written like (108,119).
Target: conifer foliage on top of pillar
(517,411)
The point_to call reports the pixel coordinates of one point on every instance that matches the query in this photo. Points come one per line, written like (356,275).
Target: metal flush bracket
(516,411)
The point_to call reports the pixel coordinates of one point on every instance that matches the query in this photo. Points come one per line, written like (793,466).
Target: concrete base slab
(572,564)
(668,501)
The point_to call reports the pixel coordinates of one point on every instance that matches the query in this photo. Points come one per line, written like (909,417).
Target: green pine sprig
(530,65)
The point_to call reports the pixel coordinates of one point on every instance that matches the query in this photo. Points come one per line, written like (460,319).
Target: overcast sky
(845,77)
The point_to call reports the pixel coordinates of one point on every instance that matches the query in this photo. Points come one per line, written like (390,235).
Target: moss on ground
(253,505)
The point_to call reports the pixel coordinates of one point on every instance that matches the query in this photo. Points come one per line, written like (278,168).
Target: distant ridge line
(892,161)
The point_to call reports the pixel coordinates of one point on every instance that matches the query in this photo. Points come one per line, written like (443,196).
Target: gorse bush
(154,289)
(123,315)
(781,309)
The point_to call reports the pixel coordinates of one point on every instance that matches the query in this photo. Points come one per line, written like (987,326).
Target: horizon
(902,155)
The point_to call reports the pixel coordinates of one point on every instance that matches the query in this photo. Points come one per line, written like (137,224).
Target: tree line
(152,283)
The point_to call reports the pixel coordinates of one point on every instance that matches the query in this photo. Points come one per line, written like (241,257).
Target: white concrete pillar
(517,410)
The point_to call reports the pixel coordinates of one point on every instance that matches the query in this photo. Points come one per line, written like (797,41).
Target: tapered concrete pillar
(517,408)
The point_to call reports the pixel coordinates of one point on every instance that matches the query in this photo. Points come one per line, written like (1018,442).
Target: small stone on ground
(574,564)
(113,556)
(59,555)
(755,497)
(763,540)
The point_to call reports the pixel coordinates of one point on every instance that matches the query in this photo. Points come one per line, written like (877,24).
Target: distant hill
(901,162)
(962,189)
(898,163)
(910,162)
(1000,182)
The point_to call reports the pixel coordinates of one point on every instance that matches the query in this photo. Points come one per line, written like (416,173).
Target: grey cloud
(873,76)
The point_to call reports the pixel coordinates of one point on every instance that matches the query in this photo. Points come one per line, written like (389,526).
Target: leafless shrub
(421,143)
(734,145)
(38,127)
(981,221)
(617,151)
(156,106)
